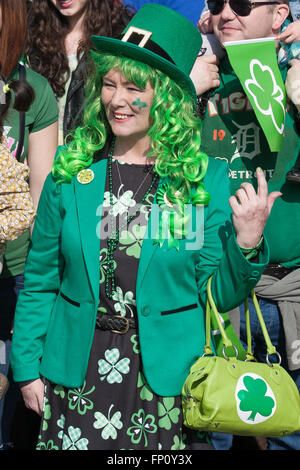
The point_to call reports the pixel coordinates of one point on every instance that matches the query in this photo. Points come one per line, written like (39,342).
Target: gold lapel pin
(85,176)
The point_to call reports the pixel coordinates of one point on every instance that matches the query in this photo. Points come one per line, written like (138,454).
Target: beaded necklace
(113,239)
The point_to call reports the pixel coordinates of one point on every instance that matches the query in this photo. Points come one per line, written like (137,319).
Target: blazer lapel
(89,200)
(148,246)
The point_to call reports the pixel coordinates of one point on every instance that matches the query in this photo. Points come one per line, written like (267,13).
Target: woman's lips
(66,3)
(120,117)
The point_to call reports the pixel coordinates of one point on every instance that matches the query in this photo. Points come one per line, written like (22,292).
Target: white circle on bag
(254,398)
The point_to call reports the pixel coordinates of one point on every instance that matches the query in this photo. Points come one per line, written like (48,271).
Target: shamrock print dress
(115,409)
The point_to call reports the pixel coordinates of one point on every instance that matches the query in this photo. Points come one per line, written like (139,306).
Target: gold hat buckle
(141,32)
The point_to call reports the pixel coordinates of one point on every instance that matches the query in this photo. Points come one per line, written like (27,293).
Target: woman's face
(127,106)
(70,8)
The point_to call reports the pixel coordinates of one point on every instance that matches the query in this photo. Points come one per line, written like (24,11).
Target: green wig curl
(174,132)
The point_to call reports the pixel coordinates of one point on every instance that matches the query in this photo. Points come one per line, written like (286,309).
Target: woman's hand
(251,210)
(33,395)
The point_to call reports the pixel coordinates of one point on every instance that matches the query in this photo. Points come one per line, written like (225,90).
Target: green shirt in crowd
(42,113)
(232,133)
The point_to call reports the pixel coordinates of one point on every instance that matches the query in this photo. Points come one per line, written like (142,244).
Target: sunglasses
(239,7)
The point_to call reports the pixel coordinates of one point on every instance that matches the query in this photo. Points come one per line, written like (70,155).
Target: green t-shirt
(231,132)
(42,113)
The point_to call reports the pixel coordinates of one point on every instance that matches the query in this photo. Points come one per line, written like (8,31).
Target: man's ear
(280,14)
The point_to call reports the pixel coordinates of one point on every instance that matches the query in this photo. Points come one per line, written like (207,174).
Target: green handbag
(248,398)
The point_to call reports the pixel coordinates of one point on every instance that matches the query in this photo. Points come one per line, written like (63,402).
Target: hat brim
(127,49)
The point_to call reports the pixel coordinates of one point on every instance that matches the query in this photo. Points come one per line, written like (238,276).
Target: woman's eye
(134,89)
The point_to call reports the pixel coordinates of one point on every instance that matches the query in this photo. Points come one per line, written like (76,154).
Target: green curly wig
(174,132)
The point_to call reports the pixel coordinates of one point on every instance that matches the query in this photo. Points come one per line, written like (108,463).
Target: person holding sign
(249,122)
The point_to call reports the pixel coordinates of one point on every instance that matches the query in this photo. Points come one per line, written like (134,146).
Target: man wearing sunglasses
(243,19)
(231,132)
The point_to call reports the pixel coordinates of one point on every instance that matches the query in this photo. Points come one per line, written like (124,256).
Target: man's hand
(205,73)
(291,33)
(292,83)
(251,210)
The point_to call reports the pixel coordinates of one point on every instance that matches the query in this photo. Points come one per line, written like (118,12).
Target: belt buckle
(126,328)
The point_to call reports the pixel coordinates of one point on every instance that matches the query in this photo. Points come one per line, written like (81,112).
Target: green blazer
(56,311)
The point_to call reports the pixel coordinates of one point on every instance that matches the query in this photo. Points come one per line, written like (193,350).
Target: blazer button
(255,273)
(145,311)
(254,276)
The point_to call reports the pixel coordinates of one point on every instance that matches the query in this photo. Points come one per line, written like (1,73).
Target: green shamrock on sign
(254,399)
(267,94)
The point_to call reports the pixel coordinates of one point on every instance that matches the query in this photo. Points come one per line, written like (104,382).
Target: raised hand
(291,33)
(292,83)
(251,210)
(205,73)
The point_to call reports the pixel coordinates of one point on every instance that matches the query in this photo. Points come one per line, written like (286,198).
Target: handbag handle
(211,306)
(270,347)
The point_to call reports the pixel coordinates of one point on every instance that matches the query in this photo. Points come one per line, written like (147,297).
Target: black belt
(115,323)
(278,271)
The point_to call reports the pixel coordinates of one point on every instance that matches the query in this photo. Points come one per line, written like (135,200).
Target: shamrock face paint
(127,106)
(140,104)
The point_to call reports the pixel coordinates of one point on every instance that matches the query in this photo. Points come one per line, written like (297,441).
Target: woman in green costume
(132,222)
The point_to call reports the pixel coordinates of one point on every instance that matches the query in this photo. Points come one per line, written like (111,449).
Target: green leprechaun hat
(161,38)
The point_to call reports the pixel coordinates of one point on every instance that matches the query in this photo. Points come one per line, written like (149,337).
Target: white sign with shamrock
(267,94)
(255,63)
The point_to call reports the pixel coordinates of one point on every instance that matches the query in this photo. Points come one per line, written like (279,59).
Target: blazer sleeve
(42,278)
(233,275)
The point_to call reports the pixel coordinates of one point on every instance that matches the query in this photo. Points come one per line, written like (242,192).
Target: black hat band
(133,36)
